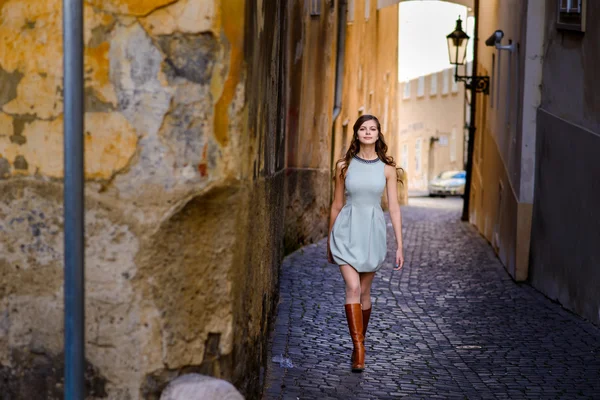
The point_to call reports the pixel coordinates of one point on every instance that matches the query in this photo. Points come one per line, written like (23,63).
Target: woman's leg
(352,279)
(354,316)
(366,279)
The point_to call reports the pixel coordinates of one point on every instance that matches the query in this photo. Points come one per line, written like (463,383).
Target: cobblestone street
(451,325)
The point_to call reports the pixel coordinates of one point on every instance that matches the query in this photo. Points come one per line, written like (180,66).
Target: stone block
(200,387)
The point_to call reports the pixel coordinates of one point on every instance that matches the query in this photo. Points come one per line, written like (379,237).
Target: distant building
(431,120)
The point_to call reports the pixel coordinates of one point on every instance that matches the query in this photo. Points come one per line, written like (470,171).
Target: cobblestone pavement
(450,325)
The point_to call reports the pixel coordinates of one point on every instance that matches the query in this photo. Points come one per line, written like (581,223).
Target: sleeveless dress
(358,236)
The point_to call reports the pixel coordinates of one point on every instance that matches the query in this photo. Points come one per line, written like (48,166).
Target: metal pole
(74,289)
(470,147)
(339,82)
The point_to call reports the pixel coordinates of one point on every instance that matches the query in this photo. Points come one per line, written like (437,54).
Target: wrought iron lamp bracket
(481,83)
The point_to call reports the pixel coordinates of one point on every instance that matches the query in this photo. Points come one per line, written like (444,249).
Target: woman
(357,229)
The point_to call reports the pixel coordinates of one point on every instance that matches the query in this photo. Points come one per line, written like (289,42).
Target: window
(445,81)
(571,15)
(433,89)
(386,106)
(492,79)
(345,138)
(569,6)
(418,156)
(406,94)
(453,145)
(367,9)
(315,7)
(454,85)
(404,156)
(421,86)
(351,10)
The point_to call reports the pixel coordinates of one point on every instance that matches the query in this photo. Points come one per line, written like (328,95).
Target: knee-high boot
(366,316)
(354,316)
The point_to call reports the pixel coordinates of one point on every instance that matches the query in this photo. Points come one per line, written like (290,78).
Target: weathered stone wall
(184,213)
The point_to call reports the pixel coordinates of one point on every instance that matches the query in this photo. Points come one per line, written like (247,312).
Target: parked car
(448,183)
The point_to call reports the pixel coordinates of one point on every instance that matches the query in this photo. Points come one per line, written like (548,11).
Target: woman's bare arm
(337,204)
(394,207)
(338,195)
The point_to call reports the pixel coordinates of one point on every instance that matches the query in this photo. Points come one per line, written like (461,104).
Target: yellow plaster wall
(499,215)
(370,70)
(310,85)
(167,145)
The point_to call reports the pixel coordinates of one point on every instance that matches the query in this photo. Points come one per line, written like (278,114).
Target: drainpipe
(74,289)
(339,78)
(339,64)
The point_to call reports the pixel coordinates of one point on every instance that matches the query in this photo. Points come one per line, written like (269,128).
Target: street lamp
(457,52)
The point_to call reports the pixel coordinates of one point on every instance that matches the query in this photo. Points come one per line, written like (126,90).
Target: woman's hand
(399,260)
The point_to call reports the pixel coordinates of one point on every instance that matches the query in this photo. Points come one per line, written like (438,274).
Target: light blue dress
(358,236)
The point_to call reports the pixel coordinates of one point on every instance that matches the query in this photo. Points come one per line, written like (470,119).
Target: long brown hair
(381,147)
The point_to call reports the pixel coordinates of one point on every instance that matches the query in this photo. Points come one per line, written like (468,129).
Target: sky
(423,47)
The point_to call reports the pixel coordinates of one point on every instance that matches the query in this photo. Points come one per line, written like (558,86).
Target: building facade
(369,83)
(534,176)
(565,258)
(431,135)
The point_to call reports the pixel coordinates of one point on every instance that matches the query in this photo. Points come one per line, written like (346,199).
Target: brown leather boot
(355,325)
(366,316)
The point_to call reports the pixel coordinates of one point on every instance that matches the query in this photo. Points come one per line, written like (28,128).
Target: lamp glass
(457,44)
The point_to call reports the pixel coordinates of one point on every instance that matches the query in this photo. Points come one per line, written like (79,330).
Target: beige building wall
(504,155)
(430,107)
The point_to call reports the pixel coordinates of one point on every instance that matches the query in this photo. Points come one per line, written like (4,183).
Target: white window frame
(453,145)
(571,15)
(421,86)
(386,106)
(351,8)
(404,156)
(418,154)
(433,89)
(570,6)
(316,7)
(406,94)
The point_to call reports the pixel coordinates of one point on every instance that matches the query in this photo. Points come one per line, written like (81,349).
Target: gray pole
(73,199)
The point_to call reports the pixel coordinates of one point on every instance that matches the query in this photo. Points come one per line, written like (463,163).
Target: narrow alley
(451,324)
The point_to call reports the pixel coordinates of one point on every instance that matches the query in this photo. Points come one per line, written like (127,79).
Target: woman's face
(368,133)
